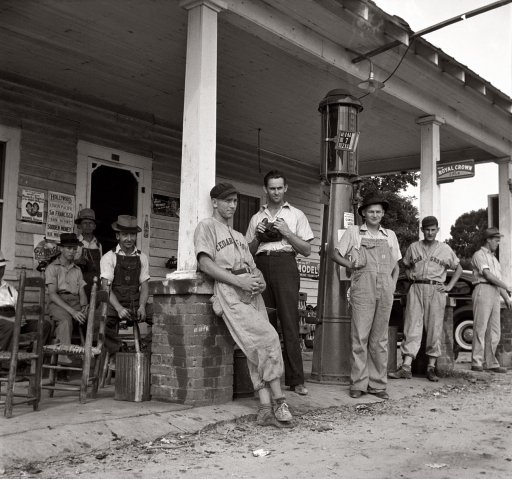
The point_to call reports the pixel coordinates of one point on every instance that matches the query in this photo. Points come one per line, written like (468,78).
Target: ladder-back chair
(89,356)
(16,356)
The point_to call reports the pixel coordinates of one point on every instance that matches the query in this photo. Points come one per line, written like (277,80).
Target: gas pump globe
(339,134)
(339,170)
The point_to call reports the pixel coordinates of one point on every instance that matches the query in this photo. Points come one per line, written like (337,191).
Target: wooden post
(430,155)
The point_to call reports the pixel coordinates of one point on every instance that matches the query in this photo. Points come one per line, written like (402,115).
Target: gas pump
(339,172)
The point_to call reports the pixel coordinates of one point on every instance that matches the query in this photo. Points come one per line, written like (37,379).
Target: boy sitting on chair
(66,291)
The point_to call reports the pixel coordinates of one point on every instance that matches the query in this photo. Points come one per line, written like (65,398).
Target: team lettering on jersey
(229,241)
(438,261)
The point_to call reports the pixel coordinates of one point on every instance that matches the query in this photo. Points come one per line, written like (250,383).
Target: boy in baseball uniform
(426,262)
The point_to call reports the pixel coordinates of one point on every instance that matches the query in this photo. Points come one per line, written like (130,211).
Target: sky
(484,44)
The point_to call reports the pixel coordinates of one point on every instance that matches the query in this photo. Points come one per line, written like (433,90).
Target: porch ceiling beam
(275,27)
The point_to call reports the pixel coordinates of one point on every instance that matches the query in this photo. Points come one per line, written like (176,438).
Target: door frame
(89,153)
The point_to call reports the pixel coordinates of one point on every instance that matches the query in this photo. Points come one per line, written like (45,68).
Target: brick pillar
(192,350)
(445,362)
(504,351)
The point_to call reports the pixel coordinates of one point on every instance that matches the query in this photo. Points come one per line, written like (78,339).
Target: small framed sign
(166,206)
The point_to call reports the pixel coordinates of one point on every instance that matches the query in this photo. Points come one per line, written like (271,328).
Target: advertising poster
(308,269)
(32,206)
(61,215)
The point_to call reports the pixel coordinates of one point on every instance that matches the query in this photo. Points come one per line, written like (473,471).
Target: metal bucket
(132,377)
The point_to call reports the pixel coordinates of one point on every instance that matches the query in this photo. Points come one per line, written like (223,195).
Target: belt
(483,282)
(240,271)
(62,293)
(276,253)
(427,281)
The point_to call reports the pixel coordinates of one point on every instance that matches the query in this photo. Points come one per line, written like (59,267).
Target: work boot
(431,374)
(266,417)
(403,372)
(281,411)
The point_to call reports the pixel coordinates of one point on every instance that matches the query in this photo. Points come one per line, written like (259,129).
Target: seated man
(8,301)
(126,269)
(66,291)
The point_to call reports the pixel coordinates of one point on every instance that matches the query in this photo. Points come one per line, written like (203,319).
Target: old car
(462,309)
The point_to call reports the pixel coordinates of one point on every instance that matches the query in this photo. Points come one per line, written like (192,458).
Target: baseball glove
(270,234)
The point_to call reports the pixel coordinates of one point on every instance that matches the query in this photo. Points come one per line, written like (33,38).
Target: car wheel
(463,334)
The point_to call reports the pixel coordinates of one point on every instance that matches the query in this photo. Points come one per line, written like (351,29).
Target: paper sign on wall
(61,215)
(32,206)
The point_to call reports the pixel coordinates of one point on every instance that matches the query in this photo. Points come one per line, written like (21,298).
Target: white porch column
(430,191)
(505,226)
(199,125)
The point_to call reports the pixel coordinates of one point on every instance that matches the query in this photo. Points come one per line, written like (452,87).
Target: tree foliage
(466,234)
(402,215)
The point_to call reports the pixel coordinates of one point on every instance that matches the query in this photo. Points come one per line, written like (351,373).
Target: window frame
(12,139)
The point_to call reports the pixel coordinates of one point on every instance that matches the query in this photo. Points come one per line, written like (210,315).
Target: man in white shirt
(276,234)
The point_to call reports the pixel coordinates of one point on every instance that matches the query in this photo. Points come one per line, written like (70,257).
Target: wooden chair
(90,356)
(16,356)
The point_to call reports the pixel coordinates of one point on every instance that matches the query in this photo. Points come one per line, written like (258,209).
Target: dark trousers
(7,329)
(283,282)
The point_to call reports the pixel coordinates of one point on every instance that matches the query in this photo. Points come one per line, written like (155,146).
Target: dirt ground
(461,430)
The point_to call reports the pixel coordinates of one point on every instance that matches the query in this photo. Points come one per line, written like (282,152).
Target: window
(9,169)
(247,207)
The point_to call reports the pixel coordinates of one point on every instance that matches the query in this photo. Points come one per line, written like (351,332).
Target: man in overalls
(126,269)
(370,253)
(89,254)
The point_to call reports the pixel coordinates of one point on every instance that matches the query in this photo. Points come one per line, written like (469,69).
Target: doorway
(113,183)
(113,193)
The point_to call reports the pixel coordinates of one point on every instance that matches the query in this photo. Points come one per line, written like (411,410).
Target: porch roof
(276,62)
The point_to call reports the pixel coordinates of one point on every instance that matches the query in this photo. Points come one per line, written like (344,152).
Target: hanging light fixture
(371,84)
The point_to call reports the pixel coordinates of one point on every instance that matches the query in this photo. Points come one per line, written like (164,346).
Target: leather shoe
(401,373)
(355,393)
(431,375)
(477,368)
(498,369)
(300,389)
(380,393)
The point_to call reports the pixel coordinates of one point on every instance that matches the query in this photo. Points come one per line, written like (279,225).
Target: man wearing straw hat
(89,254)
(66,291)
(126,269)
(8,301)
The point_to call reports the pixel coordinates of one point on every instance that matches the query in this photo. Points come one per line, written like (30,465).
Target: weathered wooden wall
(52,123)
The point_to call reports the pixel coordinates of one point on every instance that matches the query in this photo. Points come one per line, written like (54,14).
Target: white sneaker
(282,412)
